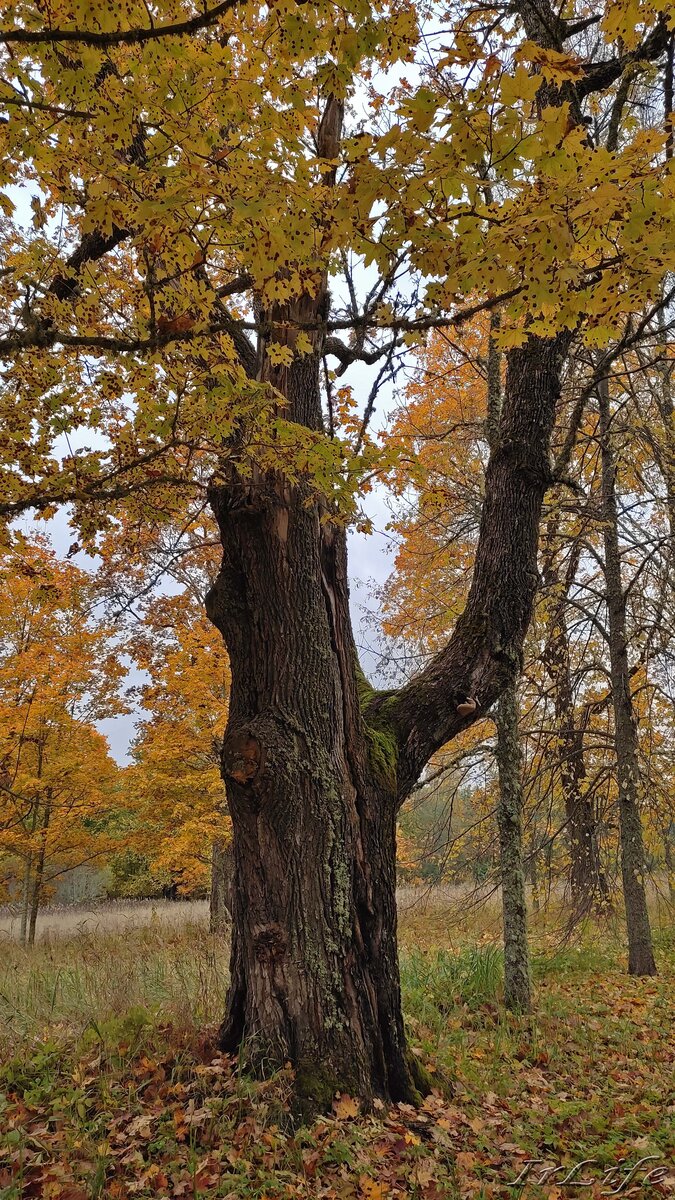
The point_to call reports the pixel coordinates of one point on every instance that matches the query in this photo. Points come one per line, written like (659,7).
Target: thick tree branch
(574,27)
(485,649)
(40,499)
(119,37)
(347,355)
(35,338)
(239,284)
(600,76)
(92,247)
(109,486)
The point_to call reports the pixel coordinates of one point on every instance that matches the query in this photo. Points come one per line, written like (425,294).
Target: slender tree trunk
(222,863)
(533,871)
(663,446)
(27,890)
(25,899)
(640,952)
(588,884)
(668,859)
(517,989)
(517,985)
(38,874)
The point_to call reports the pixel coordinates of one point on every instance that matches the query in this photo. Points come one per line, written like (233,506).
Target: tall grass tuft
(436,982)
(65,984)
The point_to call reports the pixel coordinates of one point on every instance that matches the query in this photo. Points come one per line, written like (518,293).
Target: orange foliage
(440,435)
(59,672)
(174,788)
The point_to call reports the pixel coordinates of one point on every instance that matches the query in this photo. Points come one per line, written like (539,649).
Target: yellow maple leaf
(345,1107)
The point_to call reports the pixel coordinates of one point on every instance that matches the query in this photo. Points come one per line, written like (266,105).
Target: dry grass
(452,918)
(448,916)
(111,916)
(109,1086)
(94,963)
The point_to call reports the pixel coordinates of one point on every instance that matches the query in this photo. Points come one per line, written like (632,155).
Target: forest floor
(110,1086)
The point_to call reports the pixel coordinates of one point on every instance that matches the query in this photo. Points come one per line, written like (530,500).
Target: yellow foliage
(173,787)
(59,672)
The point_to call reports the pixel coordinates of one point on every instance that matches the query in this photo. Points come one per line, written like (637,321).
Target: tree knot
(269,943)
(242,757)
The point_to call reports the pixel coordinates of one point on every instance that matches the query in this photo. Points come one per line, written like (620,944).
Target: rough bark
(640,952)
(517,984)
(484,653)
(316,763)
(311,783)
(311,790)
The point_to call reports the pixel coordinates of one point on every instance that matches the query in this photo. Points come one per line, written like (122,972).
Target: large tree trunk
(312,794)
(640,952)
(517,985)
(316,763)
(312,787)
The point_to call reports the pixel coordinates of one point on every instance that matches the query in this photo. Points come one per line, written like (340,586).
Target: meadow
(111,1086)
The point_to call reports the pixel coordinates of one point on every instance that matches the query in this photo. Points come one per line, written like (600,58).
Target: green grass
(438,981)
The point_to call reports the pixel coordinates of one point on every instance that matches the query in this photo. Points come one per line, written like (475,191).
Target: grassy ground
(110,1087)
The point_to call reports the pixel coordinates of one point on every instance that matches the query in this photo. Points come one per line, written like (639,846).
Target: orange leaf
(345,1107)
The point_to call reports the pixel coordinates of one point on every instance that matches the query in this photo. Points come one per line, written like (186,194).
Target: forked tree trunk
(517,980)
(317,764)
(640,952)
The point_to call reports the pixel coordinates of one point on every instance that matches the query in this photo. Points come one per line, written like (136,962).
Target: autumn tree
(198,175)
(59,788)
(174,788)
